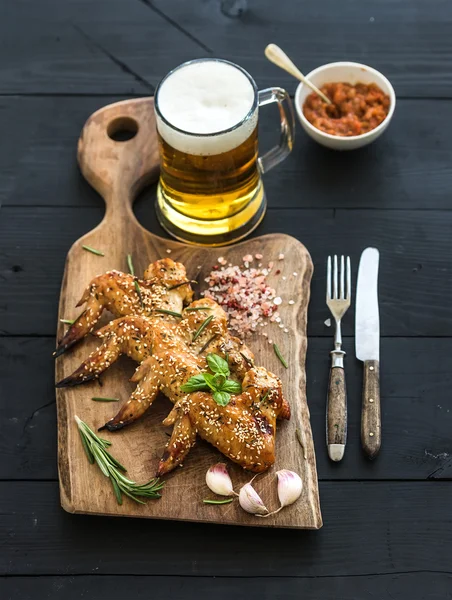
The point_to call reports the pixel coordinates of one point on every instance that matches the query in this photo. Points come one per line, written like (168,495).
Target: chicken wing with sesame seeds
(244,430)
(141,399)
(182,439)
(173,348)
(131,335)
(165,286)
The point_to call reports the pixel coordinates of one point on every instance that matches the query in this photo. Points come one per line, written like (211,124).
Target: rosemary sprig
(93,250)
(68,321)
(193,308)
(168,312)
(96,451)
(173,287)
(265,397)
(130,264)
(102,399)
(280,356)
(300,441)
(138,290)
(202,327)
(249,361)
(207,344)
(227,501)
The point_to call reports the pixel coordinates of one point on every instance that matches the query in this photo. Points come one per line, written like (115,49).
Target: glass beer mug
(210,190)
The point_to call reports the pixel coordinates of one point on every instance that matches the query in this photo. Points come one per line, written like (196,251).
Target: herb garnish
(202,327)
(168,312)
(102,399)
(265,397)
(130,264)
(95,450)
(193,308)
(138,290)
(227,501)
(280,356)
(177,285)
(93,250)
(135,283)
(68,321)
(218,383)
(214,337)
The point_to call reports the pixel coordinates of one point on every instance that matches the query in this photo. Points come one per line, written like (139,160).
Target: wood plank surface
(369,528)
(107,46)
(417,410)
(422,585)
(385,34)
(103,46)
(382,539)
(414,253)
(409,167)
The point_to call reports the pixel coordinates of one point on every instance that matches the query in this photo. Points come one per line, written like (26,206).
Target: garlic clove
(218,480)
(290,487)
(251,501)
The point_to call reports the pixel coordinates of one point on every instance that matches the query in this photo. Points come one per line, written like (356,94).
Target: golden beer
(210,188)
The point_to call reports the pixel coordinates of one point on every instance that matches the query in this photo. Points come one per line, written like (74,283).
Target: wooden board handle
(117,169)
(371,414)
(336,416)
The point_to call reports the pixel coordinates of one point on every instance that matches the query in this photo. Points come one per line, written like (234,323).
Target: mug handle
(277,154)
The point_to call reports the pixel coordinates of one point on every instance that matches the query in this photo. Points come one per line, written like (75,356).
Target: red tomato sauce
(355,109)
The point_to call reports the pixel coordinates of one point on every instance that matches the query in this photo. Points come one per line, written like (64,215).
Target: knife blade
(367,345)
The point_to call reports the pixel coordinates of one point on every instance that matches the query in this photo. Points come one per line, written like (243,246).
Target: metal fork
(338,298)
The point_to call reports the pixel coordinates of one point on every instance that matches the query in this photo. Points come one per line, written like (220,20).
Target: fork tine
(335,278)
(342,278)
(349,279)
(328,278)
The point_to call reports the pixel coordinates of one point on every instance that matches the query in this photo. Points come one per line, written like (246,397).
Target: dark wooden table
(388,524)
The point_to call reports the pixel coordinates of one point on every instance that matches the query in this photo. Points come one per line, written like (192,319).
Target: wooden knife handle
(336,415)
(371,413)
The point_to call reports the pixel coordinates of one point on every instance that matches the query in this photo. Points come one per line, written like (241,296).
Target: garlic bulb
(251,501)
(289,487)
(218,480)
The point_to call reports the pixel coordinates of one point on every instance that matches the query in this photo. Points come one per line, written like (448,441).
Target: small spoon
(281,60)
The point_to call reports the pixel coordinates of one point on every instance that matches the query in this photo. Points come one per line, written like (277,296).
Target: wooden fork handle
(336,415)
(371,412)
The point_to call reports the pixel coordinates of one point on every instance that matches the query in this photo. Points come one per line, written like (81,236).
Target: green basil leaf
(233,387)
(210,380)
(195,384)
(222,398)
(217,364)
(219,380)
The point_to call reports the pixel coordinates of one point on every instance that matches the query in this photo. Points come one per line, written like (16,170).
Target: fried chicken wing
(165,286)
(171,350)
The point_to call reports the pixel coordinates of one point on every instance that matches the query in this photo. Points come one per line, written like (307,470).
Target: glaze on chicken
(170,354)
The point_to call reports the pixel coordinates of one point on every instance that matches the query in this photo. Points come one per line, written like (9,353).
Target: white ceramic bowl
(344,72)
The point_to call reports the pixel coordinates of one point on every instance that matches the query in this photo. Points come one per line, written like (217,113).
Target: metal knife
(367,343)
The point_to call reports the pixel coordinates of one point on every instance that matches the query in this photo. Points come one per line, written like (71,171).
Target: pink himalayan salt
(244,294)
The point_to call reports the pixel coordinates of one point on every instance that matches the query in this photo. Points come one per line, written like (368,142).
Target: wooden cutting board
(118,170)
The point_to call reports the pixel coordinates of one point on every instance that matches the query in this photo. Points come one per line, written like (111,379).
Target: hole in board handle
(122,129)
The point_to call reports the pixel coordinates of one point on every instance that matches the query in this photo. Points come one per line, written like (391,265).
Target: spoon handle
(281,60)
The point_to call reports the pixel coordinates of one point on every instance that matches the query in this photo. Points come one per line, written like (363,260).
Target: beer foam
(206,97)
